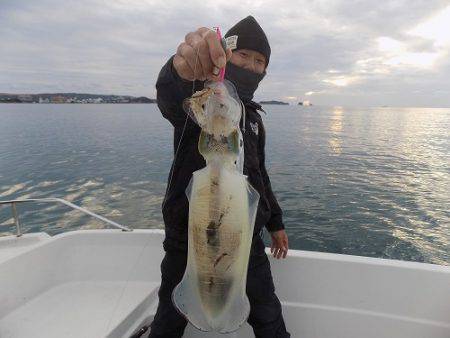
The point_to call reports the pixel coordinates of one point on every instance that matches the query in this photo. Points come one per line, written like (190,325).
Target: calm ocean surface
(371,182)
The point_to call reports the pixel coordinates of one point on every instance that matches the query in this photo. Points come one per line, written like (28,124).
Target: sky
(330,52)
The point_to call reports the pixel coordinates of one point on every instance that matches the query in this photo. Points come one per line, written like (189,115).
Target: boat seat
(80,309)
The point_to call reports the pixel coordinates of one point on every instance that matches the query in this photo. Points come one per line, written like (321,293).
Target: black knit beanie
(250,35)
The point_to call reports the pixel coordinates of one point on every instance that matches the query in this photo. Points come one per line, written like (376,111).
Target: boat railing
(56,200)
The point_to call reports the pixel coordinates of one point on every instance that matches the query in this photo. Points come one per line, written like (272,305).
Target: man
(199,58)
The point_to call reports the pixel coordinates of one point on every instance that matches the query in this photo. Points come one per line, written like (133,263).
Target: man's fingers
(279,247)
(216,70)
(189,55)
(201,51)
(201,56)
(285,246)
(206,50)
(183,69)
(279,253)
(216,51)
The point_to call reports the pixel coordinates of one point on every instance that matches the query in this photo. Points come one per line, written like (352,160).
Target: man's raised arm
(198,58)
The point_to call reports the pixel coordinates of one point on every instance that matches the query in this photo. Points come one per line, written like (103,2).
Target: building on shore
(58,99)
(25,98)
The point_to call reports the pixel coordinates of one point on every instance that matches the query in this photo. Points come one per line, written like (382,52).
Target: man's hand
(280,245)
(200,56)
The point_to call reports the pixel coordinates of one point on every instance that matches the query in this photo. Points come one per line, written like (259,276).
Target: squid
(222,210)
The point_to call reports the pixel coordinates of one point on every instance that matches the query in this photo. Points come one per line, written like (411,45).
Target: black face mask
(244,80)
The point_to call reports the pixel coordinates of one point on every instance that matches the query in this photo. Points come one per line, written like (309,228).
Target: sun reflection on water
(335,129)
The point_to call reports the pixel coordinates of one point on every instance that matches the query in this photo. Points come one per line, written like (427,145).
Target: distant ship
(305,103)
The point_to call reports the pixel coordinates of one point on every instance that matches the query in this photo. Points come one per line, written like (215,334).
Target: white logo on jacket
(254,127)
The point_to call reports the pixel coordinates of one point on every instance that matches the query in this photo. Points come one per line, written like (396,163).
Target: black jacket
(171,91)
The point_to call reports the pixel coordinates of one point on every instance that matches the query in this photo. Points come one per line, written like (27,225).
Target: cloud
(340,52)
(341,81)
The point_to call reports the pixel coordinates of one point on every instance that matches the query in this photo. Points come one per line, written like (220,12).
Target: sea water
(360,181)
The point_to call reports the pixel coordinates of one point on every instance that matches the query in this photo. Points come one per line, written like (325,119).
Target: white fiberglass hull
(103,283)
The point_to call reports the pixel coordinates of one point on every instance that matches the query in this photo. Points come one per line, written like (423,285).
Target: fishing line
(181,137)
(184,129)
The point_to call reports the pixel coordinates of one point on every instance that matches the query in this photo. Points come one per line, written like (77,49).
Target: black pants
(265,308)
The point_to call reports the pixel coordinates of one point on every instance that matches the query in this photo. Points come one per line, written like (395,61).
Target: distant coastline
(74,98)
(84,98)
(274,102)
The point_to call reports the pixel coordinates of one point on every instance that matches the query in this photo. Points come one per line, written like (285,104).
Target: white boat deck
(11,246)
(83,307)
(103,283)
